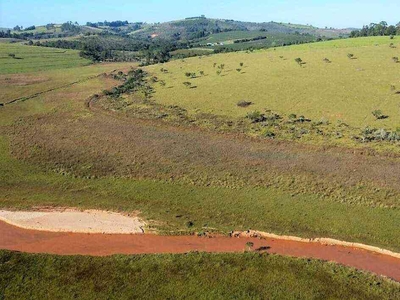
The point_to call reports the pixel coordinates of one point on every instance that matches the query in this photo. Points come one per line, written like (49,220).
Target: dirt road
(17,239)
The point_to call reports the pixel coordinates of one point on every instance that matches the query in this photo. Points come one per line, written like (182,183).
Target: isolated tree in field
(215,64)
(327,60)
(395,59)
(12,55)
(202,73)
(350,55)
(238,70)
(299,61)
(187,84)
(188,74)
(241,64)
(219,72)
(193,75)
(162,83)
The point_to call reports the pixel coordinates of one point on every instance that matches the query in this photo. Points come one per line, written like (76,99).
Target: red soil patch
(13,238)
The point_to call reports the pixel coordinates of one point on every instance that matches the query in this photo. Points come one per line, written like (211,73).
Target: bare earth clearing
(69,220)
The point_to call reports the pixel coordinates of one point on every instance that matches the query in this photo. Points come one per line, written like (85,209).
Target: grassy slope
(34,59)
(189,276)
(23,185)
(347,90)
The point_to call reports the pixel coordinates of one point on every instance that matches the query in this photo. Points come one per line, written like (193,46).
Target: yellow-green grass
(185,276)
(42,69)
(35,59)
(346,89)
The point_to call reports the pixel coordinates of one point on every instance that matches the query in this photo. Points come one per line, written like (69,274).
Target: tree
(17,28)
(299,61)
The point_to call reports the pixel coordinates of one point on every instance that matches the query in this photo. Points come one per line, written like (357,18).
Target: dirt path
(17,239)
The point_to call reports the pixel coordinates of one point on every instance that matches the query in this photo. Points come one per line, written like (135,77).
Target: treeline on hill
(115,48)
(66,29)
(377,29)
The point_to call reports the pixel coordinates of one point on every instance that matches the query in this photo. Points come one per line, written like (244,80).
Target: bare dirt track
(17,239)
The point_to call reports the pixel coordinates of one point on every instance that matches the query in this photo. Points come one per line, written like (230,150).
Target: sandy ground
(61,243)
(70,220)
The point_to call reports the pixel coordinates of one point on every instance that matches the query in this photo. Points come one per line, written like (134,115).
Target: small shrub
(350,55)
(239,70)
(249,246)
(188,74)
(244,103)
(202,73)
(219,72)
(241,64)
(187,84)
(395,59)
(379,115)
(12,55)
(299,61)
(269,134)
(189,224)
(256,117)
(392,46)
(327,60)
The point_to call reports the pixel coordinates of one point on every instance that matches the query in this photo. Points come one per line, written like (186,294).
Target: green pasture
(29,59)
(185,276)
(345,89)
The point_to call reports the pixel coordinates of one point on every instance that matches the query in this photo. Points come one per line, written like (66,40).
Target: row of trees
(377,29)
(106,23)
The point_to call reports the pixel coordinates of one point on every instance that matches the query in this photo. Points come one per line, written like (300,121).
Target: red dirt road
(17,239)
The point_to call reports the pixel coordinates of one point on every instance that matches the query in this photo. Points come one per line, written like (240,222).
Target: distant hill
(193,28)
(189,29)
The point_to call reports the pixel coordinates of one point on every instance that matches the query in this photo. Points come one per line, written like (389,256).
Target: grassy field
(345,89)
(187,174)
(342,91)
(35,59)
(55,151)
(188,276)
